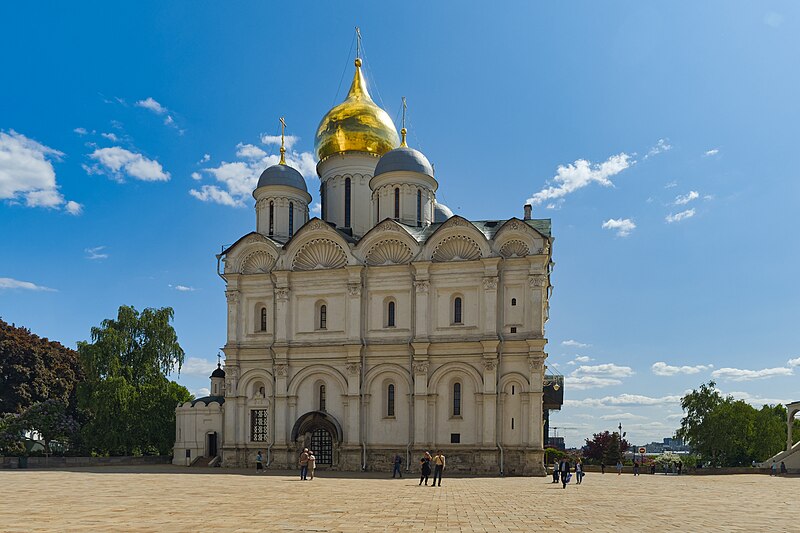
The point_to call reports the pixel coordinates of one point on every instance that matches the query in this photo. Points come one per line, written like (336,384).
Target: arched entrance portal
(321,433)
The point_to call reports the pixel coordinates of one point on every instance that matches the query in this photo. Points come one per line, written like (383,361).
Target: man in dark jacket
(564,468)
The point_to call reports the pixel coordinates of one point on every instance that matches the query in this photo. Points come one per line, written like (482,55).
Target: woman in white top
(312,464)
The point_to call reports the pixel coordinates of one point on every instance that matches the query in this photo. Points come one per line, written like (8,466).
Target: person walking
(602,468)
(555,471)
(774,470)
(619,467)
(304,464)
(783,468)
(425,468)
(635,468)
(578,472)
(564,469)
(312,463)
(396,468)
(259,463)
(438,467)
(680,467)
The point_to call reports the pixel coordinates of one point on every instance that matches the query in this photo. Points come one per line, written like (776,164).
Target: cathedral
(386,326)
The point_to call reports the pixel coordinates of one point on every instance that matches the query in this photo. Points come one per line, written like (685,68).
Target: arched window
(271,219)
(377,207)
(322,397)
(291,219)
(323,211)
(390,400)
(397,204)
(390,315)
(457,317)
(323,316)
(263,319)
(456,399)
(513,302)
(347,203)
(419,208)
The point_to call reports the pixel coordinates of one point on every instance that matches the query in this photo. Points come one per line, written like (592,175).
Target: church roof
(282,174)
(404,159)
(488,227)
(208,399)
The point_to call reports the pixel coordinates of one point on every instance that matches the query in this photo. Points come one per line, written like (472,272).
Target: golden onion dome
(356,125)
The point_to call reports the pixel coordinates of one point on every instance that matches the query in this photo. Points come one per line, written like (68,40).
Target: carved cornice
(232,296)
(282,294)
(536,365)
(353,369)
(421,285)
(420,367)
(354,289)
(281,370)
(490,283)
(537,280)
(489,365)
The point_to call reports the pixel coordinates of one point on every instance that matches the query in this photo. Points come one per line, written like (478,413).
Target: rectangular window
(419,208)
(347,203)
(390,401)
(291,219)
(322,201)
(397,204)
(513,329)
(259,423)
(457,399)
(455,438)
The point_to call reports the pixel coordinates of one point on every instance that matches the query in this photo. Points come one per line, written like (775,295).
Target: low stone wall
(645,470)
(69,462)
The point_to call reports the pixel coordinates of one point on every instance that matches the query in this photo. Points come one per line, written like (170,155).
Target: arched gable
(316,246)
(515,238)
(387,369)
(251,376)
(514,377)
(387,243)
(252,254)
(313,371)
(456,368)
(457,239)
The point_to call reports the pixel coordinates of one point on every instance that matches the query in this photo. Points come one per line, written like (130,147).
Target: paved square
(178,499)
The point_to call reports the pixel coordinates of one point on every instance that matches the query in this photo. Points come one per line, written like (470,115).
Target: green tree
(130,402)
(605,447)
(698,428)
(769,432)
(50,420)
(34,369)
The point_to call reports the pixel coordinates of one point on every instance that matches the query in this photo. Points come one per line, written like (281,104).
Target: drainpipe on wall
(361,417)
(411,373)
(498,414)
(274,379)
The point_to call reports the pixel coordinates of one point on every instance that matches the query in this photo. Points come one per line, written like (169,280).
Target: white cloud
(623,400)
(73,208)
(711,152)
(686,198)
(597,376)
(212,193)
(677,217)
(663,369)
(661,146)
(196,176)
(580,359)
(202,392)
(197,366)
(755,400)
(580,174)
(238,179)
(738,374)
(574,343)
(80,131)
(10,283)
(27,173)
(671,185)
(794,362)
(289,140)
(623,226)
(152,105)
(205,159)
(96,253)
(169,121)
(117,162)
(110,136)
(183,288)
(623,416)
(316,208)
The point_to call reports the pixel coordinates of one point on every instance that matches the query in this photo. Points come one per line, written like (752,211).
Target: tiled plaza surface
(179,499)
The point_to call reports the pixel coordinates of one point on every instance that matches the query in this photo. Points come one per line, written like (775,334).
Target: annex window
(271,219)
(323,211)
(455,438)
(457,310)
(390,400)
(419,208)
(259,425)
(291,219)
(347,191)
(323,316)
(513,329)
(456,399)
(513,302)
(512,423)
(390,311)
(263,319)
(397,204)
(322,397)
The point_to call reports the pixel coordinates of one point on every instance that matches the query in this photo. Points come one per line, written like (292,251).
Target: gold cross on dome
(283,148)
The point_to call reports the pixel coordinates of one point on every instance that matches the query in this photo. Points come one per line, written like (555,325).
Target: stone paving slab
(166,498)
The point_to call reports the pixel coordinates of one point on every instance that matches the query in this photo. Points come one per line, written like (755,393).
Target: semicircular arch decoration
(258,262)
(456,248)
(514,248)
(389,252)
(319,254)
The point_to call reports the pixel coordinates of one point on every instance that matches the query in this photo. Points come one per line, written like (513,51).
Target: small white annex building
(387,326)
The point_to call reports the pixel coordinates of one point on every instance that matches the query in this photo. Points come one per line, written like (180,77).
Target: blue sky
(661,139)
